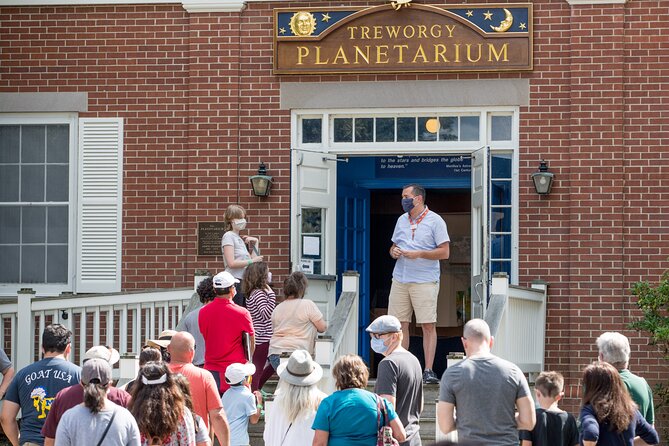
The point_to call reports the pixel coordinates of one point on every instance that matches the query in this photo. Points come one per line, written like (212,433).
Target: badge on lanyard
(413,224)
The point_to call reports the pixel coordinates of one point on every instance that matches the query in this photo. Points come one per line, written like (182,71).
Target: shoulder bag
(385,432)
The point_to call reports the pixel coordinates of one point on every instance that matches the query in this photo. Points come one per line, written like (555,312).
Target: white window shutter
(100,198)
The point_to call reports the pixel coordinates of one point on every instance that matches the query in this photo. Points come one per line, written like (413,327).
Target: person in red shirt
(223,324)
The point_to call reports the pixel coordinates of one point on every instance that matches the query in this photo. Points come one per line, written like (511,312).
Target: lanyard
(413,224)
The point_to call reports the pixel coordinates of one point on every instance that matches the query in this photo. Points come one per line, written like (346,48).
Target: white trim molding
(194,6)
(595,2)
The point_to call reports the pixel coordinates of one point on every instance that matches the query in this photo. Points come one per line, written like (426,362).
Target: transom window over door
(34,203)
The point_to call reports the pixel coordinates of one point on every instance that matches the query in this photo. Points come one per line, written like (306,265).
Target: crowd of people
(205,383)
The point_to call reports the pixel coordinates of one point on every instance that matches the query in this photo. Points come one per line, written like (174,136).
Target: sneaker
(429,377)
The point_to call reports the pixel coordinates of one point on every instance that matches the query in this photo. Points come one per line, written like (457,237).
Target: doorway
(368,206)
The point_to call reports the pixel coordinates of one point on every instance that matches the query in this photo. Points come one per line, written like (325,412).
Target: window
(59,222)
(35,203)
(501,213)
(312,240)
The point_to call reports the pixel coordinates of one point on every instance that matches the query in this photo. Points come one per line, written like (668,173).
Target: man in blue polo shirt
(420,241)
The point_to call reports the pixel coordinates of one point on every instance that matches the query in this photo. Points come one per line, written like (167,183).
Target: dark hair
(350,372)
(158,408)
(184,386)
(550,384)
(417,190)
(56,338)
(206,291)
(295,285)
(223,291)
(605,391)
(95,395)
(255,277)
(149,354)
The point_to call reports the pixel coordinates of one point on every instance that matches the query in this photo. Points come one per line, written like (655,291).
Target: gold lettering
(413,32)
(435,31)
(352,30)
(364,32)
(401,49)
(340,55)
(393,31)
(377,32)
(450,29)
(420,53)
(318,57)
(358,52)
(492,50)
(440,52)
(302,52)
(422,29)
(382,50)
(469,52)
(457,52)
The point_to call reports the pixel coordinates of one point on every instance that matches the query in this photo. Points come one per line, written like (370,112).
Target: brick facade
(201,110)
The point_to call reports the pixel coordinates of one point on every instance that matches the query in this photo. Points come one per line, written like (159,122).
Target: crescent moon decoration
(505,24)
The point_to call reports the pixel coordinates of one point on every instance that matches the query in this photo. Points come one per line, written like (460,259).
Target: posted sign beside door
(415,38)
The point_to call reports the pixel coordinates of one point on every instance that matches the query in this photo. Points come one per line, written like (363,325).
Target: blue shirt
(239,404)
(34,388)
(350,417)
(592,430)
(430,233)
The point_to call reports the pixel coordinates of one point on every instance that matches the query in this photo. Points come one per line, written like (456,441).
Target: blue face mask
(407,204)
(378,346)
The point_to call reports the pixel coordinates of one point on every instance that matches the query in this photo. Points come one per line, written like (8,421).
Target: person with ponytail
(160,409)
(609,417)
(97,421)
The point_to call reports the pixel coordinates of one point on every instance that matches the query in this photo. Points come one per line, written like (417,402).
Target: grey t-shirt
(79,426)
(230,238)
(484,391)
(190,324)
(5,363)
(400,375)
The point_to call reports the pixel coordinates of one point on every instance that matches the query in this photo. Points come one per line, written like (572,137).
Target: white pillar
(24,324)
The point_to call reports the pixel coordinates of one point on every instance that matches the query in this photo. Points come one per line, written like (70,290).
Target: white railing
(521,334)
(341,337)
(123,321)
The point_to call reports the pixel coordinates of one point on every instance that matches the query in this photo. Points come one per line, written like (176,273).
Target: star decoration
(488,15)
(282,30)
(522,26)
(326,17)
(470,13)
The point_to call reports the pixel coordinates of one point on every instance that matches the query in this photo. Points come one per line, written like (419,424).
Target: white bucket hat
(300,369)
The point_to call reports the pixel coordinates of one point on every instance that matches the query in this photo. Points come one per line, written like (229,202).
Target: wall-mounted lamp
(64,315)
(543,179)
(262,182)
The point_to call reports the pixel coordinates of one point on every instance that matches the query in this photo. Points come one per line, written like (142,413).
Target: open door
(480,231)
(353,229)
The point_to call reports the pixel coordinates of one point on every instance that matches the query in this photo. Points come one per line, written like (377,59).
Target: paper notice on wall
(307,266)
(311,245)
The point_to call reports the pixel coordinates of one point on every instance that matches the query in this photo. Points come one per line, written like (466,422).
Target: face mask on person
(239,224)
(378,346)
(407,204)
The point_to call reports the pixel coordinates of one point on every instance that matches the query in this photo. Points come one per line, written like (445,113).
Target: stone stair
(427,419)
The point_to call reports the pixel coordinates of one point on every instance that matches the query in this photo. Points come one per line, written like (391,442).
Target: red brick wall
(201,110)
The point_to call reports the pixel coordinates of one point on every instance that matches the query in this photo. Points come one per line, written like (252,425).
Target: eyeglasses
(378,335)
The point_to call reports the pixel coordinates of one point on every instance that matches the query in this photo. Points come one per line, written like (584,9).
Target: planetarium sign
(403,37)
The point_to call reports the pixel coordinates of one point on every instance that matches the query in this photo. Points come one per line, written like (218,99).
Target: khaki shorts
(405,298)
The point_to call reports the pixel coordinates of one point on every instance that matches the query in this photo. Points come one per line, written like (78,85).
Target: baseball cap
(235,373)
(109,354)
(163,340)
(385,324)
(224,280)
(96,368)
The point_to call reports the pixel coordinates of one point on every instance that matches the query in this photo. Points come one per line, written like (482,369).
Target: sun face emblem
(303,23)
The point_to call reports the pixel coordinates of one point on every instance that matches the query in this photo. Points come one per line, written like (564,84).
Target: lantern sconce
(262,182)
(543,179)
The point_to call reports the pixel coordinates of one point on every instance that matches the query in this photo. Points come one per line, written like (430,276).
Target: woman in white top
(297,400)
(295,321)
(236,248)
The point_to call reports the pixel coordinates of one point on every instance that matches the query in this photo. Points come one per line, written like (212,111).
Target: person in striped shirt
(260,302)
